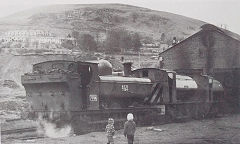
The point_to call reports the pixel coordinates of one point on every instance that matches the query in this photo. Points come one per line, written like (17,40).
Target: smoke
(51,130)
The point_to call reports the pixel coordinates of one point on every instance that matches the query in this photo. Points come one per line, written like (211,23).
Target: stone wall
(184,55)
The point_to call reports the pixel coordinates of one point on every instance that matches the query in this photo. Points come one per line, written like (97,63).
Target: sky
(217,12)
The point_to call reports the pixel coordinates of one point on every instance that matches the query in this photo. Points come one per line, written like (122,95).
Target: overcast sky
(217,12)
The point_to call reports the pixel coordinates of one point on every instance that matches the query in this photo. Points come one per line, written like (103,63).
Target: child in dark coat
(129,128)
(110,131)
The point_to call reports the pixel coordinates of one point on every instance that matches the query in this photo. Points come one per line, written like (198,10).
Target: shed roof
(226,32)
(210,27)
(231,34)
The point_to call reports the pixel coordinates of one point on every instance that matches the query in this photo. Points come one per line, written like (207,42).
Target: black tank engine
(85,94)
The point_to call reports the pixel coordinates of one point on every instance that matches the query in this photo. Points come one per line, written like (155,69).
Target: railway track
(21,134)
(18,131)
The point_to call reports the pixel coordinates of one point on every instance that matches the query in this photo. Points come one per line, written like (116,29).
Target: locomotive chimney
(127,68)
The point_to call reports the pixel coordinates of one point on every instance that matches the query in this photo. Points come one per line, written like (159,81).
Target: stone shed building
(211,51)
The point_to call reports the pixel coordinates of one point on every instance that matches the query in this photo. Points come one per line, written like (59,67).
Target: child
(110,131)
(129,128)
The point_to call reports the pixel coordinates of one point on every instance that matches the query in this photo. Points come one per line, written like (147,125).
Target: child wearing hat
(129,128)
(110,131)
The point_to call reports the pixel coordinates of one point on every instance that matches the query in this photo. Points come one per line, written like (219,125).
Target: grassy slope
(148,22)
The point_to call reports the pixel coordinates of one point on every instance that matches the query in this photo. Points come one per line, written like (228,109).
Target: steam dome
(104,67)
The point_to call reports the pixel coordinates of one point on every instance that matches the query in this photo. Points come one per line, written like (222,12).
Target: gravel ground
(224,130)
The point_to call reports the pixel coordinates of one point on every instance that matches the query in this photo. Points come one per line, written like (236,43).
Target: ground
(224,130)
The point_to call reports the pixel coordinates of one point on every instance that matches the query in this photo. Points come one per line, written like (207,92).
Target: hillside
(12,67)
(97,19)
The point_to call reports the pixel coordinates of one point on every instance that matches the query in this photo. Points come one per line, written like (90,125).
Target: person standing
(110,131)
(129,128)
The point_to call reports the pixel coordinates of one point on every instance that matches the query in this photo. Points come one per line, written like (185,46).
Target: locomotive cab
(88,72)
(160,90)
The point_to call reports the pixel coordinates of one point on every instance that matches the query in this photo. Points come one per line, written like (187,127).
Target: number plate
(93,98)
(124,87)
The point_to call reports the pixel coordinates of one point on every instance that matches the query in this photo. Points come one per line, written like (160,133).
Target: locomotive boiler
(85,94)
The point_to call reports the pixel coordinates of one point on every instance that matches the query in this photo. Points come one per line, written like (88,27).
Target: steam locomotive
(85,94)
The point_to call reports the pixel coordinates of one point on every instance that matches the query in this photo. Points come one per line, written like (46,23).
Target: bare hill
(99,18)
(12,67)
